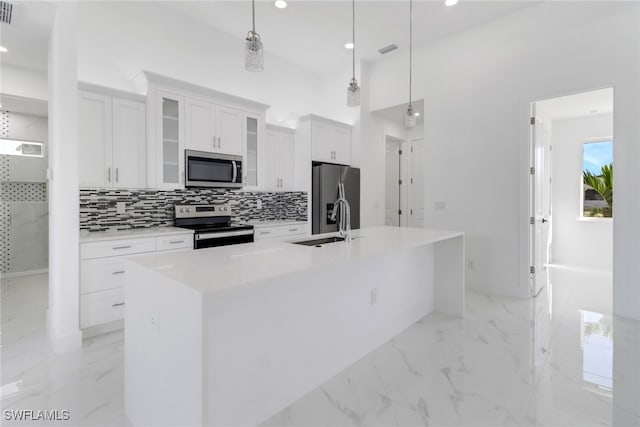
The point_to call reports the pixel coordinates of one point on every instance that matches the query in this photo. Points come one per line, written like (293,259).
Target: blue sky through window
(597,154)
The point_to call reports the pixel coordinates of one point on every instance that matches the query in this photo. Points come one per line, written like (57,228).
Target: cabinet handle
(219,143)
(176,241)
(118,304)
(118,272)
(265,232)
(293,229)
(117,175)
(108,174)
(214,142)
(122,247)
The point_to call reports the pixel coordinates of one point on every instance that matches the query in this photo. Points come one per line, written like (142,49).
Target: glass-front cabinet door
(252,152)
(171,150)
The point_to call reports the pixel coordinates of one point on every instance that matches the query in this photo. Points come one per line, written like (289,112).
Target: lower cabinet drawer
(102,274)
(265,233)
(180,241)
(117,247)
(101,307)
(293,230)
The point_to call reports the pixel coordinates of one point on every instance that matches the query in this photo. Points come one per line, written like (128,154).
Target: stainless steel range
(212,225)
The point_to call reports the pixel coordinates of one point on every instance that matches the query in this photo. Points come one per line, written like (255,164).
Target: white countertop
(222,268)
(275,223)
(101,236)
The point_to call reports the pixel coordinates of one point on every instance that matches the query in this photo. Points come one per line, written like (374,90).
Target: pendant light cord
(253,16)
(410,47)
(353,39)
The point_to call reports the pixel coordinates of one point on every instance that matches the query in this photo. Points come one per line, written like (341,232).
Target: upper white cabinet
(112,139)
(330,140)
(211,127)
(229,130)
(170,150)
(253,150)
(280,155)
(192,117)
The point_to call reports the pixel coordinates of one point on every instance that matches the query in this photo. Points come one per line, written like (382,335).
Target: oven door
(212,239)
(204,169)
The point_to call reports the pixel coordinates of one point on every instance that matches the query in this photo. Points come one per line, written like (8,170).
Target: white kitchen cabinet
(229,130)
(187,116)
(330,140)
(129,143)
(254,151)
(200,133)
(170,128)
(95,138)
(112,132)
(281,231)
(103,272)
(280,153)
(213,128)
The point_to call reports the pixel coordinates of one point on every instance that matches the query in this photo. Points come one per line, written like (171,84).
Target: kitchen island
(231,335)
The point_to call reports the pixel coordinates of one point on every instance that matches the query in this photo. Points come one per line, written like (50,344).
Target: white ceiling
(27,37)
(312,34)
(578,105)
(309,33)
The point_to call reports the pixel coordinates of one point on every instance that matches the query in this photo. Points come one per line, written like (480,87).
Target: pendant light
(353,90)
(253,59)
(410,115)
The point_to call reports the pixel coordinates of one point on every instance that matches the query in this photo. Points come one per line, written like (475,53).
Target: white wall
(23,82)
(478,86)
(117,40)
(64,204)
(576,242)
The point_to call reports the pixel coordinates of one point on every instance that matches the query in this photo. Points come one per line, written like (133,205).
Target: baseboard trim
(23,273)
(63,343)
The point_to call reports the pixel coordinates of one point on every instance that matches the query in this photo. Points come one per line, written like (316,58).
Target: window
(17,147)
(597,179)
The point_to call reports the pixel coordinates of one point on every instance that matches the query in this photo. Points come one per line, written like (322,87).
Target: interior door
(392,184)
(416,184)
(540,183)
(129,143)
(200,122)
(95,133)
(229,129)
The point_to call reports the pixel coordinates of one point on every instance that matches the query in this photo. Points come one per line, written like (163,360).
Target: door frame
(401,146)
(531,247)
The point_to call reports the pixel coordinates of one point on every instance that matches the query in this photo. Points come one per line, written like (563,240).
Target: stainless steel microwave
(205,169)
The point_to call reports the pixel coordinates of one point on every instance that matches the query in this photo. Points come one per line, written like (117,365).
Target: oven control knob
(224,209)
(188,209)
(181,210)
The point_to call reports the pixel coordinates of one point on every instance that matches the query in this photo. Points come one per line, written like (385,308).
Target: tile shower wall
(153,208)
(23,198)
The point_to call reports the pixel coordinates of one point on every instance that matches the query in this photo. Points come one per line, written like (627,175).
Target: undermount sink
(319,242)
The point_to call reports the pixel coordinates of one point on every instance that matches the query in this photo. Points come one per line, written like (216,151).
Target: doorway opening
(404,182)
(571,187)
(24,197)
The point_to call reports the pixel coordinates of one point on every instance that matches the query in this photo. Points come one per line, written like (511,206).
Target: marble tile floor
(551,361)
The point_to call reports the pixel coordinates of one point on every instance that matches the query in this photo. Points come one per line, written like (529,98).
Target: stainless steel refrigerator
(325,192)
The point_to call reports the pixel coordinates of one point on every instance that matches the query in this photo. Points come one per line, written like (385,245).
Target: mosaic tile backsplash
(154,208)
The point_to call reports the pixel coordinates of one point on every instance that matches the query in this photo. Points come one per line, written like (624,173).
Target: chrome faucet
(344,222)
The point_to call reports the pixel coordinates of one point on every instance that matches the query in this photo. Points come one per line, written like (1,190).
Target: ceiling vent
(6,9)
(388,49)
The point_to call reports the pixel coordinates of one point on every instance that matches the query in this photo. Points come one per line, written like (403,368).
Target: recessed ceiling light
(417,114)
(3,49)
(348,45)
(450,2)
(280,4)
